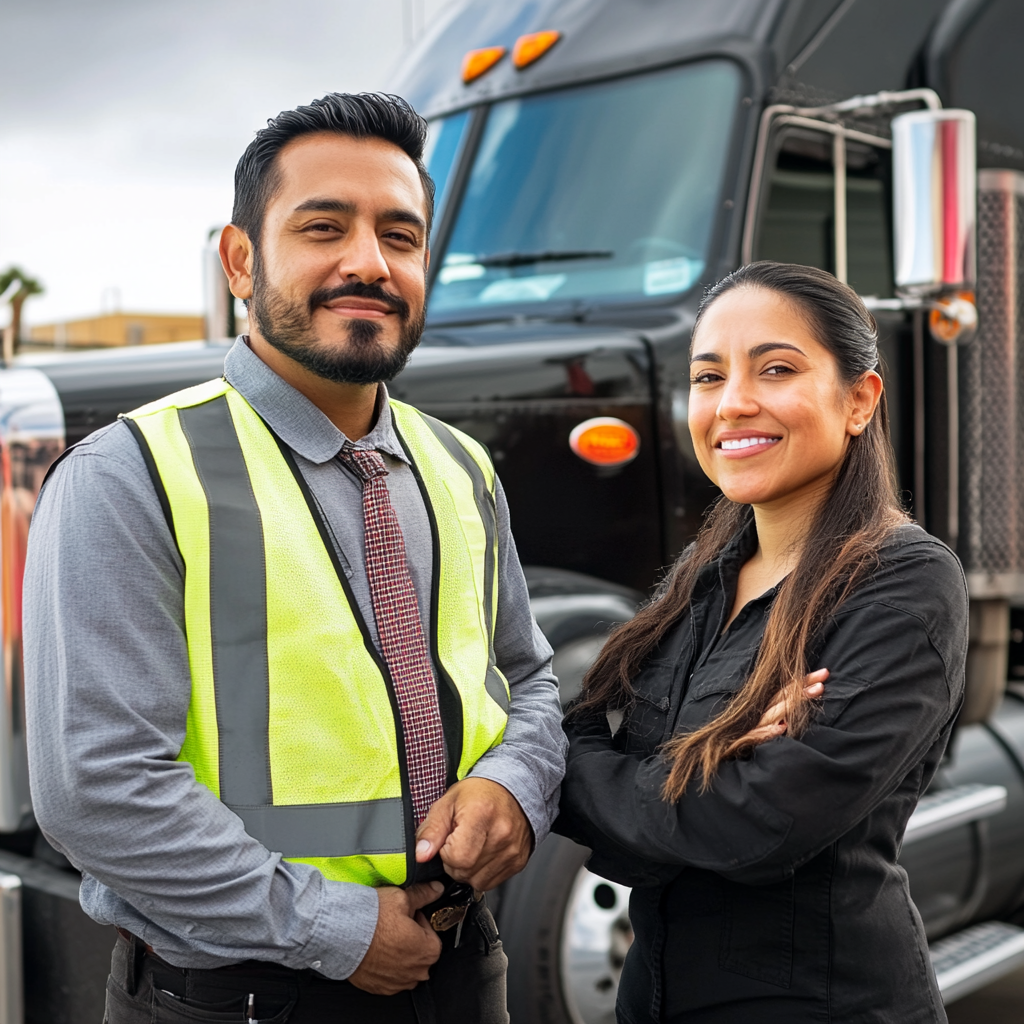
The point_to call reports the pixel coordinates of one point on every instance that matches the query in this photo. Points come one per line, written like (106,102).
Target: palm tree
(27,286)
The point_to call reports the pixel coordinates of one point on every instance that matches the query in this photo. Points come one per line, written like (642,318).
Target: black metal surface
(66,954)
(521,393)
(973,61)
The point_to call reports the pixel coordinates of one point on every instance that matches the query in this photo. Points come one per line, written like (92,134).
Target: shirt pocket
(713,685)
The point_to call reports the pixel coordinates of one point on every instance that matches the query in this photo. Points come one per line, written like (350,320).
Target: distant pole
(412,20)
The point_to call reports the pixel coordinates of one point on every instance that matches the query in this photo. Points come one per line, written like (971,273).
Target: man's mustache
(361,291)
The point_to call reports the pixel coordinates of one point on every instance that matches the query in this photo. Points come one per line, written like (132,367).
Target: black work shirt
(776,896)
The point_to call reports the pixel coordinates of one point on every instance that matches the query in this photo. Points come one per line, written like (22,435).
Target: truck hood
(598,367)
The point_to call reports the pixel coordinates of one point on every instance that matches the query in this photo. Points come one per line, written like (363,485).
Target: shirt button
(315,964)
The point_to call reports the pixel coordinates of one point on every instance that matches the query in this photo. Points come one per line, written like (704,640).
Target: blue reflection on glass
(604,191)
(444,141)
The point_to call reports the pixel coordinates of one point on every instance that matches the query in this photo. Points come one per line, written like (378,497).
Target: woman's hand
(773,721)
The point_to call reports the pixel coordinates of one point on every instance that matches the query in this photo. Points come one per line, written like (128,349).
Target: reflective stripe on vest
(292,721)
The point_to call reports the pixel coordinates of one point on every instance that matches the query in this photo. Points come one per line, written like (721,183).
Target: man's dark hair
(364,115)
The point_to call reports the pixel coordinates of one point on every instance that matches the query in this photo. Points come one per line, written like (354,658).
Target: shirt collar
(295,419)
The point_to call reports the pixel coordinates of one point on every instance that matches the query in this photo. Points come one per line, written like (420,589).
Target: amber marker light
(529,47)
(476,62)
(605,441)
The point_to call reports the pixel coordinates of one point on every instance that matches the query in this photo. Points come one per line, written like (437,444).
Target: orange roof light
(605,441)
(529,47)
(476,62)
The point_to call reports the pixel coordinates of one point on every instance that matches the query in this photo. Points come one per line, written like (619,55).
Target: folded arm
(893,689)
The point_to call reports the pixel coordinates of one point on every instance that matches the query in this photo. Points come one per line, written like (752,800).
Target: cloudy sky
(122,120)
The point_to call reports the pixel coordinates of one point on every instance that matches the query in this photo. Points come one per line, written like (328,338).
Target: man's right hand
(404,945)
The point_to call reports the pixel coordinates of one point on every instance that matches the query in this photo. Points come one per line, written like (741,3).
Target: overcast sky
(121,122)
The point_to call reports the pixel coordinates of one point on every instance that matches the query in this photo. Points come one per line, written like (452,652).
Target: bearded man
(289,712)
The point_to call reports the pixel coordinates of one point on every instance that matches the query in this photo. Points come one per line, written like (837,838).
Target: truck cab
(598,165)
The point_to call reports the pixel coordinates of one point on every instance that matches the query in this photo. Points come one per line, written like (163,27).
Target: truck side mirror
(935,202)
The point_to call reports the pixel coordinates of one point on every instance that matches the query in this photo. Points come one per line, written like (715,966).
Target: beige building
(112,329)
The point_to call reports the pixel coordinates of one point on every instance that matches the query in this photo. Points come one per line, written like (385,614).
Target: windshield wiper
(525,259)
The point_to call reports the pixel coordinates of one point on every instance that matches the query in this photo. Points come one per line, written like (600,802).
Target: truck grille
(991,541)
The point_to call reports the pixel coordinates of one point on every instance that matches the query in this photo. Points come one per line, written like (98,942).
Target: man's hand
(480,831)
(404,945)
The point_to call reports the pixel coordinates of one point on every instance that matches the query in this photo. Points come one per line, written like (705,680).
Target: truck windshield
(601,192)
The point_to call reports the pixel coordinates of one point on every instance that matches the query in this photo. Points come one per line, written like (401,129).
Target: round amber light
(605,441)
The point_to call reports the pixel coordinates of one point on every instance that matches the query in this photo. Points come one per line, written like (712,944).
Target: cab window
(797,222)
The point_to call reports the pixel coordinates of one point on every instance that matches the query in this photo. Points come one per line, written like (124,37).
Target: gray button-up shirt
(108,689)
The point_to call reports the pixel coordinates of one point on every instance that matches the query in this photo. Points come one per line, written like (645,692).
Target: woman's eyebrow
(771,346)
(754,353)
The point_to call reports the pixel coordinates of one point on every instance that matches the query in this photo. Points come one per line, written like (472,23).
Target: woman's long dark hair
(841,548)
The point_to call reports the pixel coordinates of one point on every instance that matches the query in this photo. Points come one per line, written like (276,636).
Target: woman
(760,829)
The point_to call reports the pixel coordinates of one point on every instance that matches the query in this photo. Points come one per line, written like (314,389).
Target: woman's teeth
(746,442)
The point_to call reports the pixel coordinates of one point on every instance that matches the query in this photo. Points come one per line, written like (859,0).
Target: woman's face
(769,416)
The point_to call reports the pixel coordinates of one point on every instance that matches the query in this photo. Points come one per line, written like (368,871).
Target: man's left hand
(480,831)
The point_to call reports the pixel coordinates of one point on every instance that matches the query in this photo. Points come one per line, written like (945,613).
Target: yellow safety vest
(293,722)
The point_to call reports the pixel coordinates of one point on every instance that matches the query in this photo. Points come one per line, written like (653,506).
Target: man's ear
(236,259)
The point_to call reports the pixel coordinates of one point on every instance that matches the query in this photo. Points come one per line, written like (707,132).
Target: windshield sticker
(674,275)
(461,272)
(523,289)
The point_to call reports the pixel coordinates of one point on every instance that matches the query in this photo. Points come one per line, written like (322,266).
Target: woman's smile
(742,444)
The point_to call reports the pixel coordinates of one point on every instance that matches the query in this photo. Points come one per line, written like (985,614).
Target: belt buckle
(452,906)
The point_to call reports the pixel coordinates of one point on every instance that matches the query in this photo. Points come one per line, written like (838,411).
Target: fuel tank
(973,872)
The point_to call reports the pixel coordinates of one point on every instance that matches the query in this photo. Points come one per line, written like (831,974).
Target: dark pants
(467,986)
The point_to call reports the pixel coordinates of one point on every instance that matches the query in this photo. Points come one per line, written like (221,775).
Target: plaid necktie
(401,632)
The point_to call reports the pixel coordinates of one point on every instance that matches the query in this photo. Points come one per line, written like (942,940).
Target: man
(284,689)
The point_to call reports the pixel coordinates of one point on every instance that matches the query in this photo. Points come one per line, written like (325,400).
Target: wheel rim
(596,935)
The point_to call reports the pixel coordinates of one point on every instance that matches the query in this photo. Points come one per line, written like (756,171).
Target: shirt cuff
(342,931)
(504,768)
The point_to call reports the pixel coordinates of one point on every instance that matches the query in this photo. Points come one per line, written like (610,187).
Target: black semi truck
(597,163)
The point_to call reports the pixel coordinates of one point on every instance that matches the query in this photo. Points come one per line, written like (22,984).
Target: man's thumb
(434,831)
(421,894)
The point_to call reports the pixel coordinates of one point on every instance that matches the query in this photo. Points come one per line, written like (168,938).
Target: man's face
(338,277)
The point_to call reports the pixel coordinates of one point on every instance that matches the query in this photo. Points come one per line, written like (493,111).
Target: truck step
(948,808)
(978,955)
(12,1008)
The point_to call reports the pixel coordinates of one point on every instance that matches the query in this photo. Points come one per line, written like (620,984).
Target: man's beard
(361,358)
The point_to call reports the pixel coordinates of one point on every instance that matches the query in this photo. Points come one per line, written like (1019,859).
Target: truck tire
(566,933)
